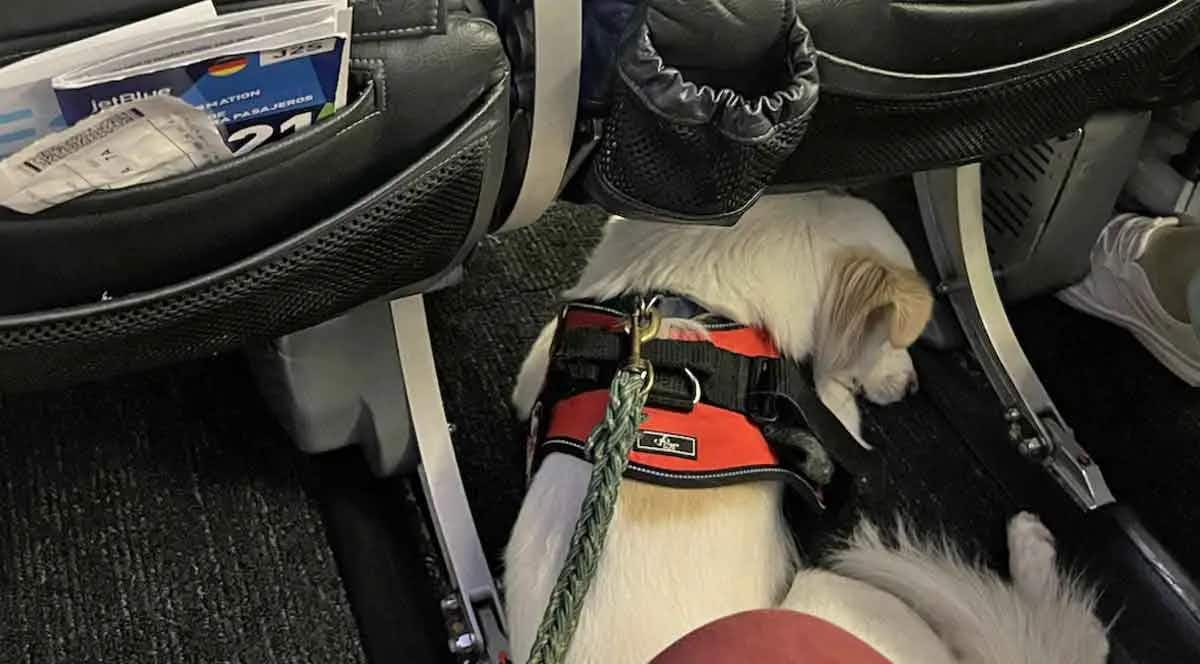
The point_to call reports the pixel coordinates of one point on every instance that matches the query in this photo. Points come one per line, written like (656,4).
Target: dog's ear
(911,306)
(869,299)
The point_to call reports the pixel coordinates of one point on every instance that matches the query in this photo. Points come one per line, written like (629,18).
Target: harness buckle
(762,397)
(762,409)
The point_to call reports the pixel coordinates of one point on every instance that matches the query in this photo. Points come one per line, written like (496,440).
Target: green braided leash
(610,443)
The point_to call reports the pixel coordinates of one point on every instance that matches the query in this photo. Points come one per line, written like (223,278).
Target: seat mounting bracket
(952,210)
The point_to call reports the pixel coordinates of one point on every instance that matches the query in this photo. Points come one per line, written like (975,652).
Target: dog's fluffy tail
(982,618)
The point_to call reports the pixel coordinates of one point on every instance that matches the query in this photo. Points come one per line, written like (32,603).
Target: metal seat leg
(952,209)
(484,637)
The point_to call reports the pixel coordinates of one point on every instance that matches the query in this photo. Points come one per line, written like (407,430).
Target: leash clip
(643,326)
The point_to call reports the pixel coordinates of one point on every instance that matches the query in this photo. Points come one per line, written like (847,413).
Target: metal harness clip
(644,325)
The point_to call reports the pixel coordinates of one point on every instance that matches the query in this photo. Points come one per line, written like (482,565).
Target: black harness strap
(592,356)
(796,390)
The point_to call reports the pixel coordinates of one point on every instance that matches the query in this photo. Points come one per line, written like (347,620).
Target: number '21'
(256,135)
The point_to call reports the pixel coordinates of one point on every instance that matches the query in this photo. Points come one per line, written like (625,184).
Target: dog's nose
(913,384)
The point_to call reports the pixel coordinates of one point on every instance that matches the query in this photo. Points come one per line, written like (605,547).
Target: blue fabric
(604,23)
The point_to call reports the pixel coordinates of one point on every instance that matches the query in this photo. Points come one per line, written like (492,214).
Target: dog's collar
(722,410)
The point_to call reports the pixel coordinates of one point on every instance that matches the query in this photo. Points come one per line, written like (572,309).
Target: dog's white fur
(827,276)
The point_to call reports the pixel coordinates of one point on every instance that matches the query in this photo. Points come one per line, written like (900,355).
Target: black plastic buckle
(662,394)
(763,396)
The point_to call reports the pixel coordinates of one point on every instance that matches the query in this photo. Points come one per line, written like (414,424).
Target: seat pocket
(244,251)
(679,149)
(114,242)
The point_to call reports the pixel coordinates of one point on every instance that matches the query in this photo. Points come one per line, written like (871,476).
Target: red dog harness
(710,411)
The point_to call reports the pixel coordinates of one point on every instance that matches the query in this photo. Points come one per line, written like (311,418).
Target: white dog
(829,279)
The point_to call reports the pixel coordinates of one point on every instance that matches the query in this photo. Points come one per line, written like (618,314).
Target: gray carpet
(1140,422)
(161,518)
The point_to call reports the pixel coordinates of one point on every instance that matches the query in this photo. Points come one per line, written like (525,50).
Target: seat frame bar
(952,211)
(476,598)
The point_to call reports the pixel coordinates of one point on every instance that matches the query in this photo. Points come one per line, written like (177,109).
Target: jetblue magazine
(257,88)
(256,97)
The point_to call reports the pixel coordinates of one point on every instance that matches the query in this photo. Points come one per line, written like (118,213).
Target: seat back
(1045,205)
(940,102)
(385,196)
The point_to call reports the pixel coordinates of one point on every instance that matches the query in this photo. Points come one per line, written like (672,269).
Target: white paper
(251,30)
(28,107)
(139,142)
(345,18)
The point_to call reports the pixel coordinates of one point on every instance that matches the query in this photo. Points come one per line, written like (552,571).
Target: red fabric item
(725,439)
(770,636)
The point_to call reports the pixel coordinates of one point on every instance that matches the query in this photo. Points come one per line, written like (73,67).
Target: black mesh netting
(687,169)
(677,150)
(408,235)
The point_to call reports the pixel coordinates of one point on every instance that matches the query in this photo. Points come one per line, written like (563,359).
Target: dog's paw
(891,379)
(1076,633)
(1031,555)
